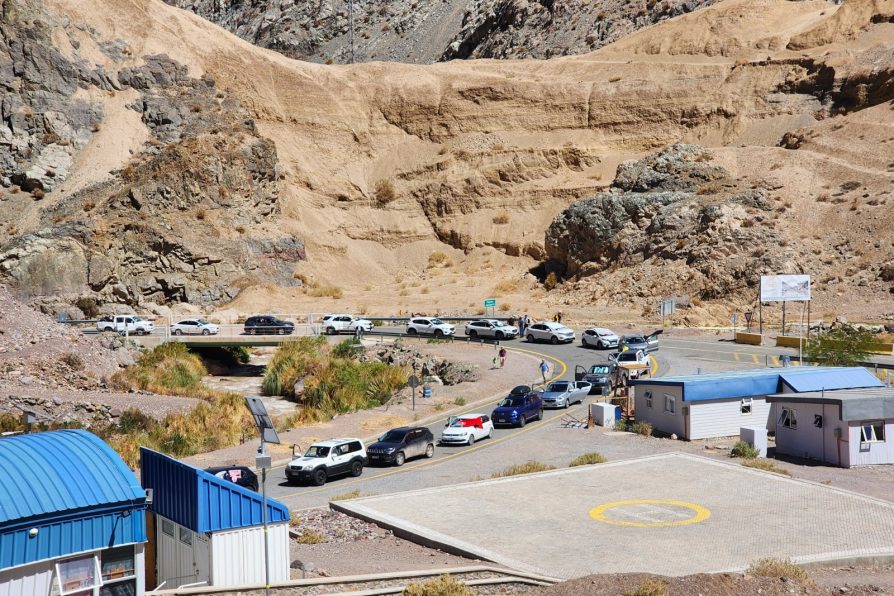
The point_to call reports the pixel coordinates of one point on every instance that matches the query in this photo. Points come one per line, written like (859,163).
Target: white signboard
(779,288)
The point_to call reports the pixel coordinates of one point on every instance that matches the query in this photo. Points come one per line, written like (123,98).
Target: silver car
(429,326)
(491,328)
(552,332)
(646,343)
(562,394)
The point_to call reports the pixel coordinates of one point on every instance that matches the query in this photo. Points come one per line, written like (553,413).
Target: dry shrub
(502,218)
(528,467)
(325,291)
(649,587)
(551,281)
(443,586)
(240,229)
(385,192)
(201,214)
(505,286)
(439,259)
(38,193)
(73,361)
(587,459)
(765,465)
(310,537)
(642,428)
(89,205)
(505,307)
(777,568)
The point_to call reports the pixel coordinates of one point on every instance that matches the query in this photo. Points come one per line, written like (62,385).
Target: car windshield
(598,370)
(499,324)
(317,451)
(605,333)
(634,339)
(559,387)
(512,402)
(202,322)
(135,319)
(437,322)
(393,436)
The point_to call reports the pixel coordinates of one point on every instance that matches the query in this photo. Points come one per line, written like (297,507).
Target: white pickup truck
(125,324)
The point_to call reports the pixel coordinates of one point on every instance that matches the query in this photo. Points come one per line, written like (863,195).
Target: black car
(268,325)
(601,376)
(400,444)
(241,475)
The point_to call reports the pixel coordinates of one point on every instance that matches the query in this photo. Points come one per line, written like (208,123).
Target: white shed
(719,404)
(843,428)
(208,531)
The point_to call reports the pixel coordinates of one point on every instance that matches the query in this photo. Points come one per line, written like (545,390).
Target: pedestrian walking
(544,370)
(502,355)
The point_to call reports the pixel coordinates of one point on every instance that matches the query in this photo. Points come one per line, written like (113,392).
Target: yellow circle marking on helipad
(651,517)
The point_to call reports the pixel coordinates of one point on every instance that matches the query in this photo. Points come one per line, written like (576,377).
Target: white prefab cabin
(853,427)
(720,404)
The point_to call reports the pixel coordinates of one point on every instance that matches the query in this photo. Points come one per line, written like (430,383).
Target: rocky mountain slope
(428,31)
(380,168)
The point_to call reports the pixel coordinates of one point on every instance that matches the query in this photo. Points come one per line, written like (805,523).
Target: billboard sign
(780,288)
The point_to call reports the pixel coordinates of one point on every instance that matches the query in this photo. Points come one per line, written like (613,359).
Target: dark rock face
(177,225)
(670,209)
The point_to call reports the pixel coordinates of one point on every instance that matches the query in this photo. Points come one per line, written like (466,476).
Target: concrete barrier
(789,341)
(752,339)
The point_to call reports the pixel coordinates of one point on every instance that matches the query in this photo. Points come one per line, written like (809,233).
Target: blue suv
(522,404)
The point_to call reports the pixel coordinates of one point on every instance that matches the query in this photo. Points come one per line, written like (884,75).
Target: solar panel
(262,419)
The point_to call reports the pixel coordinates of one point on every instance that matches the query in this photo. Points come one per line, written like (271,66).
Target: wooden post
(783,317)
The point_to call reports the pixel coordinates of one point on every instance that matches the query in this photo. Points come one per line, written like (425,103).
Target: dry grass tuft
(325,291)
(385,192)
(777,568)
(765,465)
(529,467)
(502,218)
(587,459)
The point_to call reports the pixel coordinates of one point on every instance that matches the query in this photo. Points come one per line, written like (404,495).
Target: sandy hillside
(383,165)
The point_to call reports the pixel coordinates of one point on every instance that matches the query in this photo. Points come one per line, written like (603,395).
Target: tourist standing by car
(522,325)
(502,355)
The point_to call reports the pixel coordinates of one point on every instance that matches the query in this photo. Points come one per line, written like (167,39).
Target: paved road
(677,355)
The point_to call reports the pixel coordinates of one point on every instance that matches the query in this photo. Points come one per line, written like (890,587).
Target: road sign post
(263,461)
(413,382)
(491,304)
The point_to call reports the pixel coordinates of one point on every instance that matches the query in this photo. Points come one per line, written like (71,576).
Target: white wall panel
(237,556)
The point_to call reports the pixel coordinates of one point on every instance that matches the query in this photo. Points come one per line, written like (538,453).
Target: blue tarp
(201,501)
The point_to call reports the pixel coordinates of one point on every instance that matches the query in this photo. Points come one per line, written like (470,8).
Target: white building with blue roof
(72,517)
(208,531)
(720,404)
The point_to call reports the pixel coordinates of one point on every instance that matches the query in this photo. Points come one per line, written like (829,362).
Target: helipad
(671,514)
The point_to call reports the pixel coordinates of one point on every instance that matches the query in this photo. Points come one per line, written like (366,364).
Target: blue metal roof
(73,489)
(765,381)
(201,501)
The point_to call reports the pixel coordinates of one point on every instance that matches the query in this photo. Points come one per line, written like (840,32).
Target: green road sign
(490,303)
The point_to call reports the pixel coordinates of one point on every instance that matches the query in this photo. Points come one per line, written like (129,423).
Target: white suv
(328,458)
(126,324)
(491,328)
(551,332)
(333,324)
(429,326)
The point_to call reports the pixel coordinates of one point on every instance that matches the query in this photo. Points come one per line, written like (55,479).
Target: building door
(202,554)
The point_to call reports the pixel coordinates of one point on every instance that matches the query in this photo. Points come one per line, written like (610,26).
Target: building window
(745,406)
(167,527)
(670,404)
(788,419)
(125,588)
(117,564)
(648,396)
(185,536)
(76,576)
(873,432)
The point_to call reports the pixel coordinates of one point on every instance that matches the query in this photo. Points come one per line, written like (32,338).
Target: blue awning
(201,501)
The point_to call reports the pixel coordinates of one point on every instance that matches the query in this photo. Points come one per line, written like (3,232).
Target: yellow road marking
(737,356)
(476,447)
(755,358)
(701,513)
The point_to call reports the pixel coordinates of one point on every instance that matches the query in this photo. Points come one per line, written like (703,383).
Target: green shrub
(238,354)
(349,348)
(167,369)
(443,586)
(526,468)
(743,449)
(621,425)
(642,428)
(587,459)
(772,567)
(459,401)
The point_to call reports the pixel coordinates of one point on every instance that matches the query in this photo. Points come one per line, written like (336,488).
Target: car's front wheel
(319,477)
(522,421)
(330,330)
(472,333)
(500,335)
(471,439)
(600,346)
(554,340)
(206,332)
(356,468)
(439,333)
(280,331)
(430,451)
(400,458)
